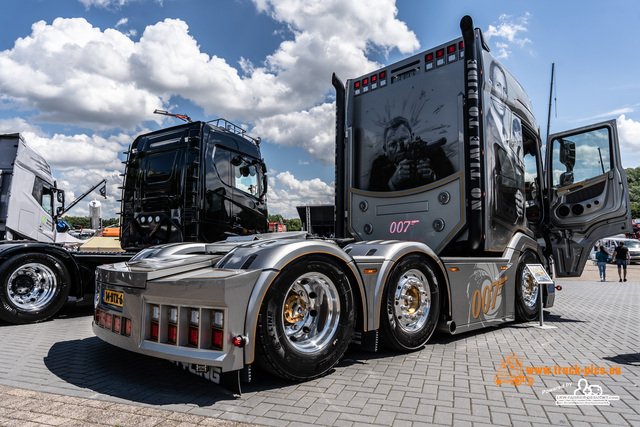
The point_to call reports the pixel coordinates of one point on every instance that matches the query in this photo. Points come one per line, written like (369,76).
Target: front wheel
(33,287)
(411,303)
(527,289)
(307,319)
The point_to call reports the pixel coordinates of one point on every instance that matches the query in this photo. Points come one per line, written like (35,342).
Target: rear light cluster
(186,326)
(432,60)
(443,56)
(113,322)
(370,83)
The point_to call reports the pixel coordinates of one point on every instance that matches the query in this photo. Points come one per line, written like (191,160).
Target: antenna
(179,116)
(553,65)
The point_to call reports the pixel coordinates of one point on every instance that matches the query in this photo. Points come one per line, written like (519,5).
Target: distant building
(317,220)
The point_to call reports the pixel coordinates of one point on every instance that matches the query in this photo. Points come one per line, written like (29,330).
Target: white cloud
(629,133)
(78,162)
(508,31)
(105,4)
(313,130)
(286,192)
(71,73)
(75,182)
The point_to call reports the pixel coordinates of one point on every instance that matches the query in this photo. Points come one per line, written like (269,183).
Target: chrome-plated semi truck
(445,211)
(175,189)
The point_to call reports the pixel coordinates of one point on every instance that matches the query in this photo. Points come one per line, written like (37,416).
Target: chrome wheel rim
(529,289)
(310,312)
(412,300)
(32,287)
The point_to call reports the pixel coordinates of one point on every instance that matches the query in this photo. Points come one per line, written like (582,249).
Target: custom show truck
(444,206)
(176,189)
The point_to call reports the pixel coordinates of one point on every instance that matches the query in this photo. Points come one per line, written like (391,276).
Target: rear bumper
(185,319)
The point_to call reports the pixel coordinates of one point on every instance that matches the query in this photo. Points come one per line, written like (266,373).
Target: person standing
(602,258)
(622,257)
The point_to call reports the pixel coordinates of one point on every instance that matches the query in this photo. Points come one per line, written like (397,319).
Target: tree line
(633,179)
(85,222)
(292,224)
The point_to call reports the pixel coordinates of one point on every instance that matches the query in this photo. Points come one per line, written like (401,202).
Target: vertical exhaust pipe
(339,215)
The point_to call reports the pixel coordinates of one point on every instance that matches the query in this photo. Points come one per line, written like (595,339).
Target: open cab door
(587,193)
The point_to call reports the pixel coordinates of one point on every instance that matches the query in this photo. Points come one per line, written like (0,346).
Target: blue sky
(81,78)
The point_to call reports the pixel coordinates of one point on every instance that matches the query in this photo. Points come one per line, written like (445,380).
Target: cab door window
(43,194)
(580,157)
(238,171)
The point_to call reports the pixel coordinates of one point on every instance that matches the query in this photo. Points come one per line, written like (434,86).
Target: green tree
(633,181)
(277,218)
(294,224)
(85,221)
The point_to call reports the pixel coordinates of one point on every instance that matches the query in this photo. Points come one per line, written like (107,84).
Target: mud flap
(229,380)
(368,341)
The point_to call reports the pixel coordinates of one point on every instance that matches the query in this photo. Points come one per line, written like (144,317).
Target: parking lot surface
(583,368)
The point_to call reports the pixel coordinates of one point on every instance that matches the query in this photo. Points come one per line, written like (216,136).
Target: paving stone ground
(59,373)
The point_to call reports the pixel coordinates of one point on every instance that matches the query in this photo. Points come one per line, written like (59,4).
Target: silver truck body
(457,231)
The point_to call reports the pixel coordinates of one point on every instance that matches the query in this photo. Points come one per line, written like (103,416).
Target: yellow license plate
(113,298)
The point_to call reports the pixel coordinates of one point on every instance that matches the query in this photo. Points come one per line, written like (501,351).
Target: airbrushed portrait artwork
(503,130)
(409,142)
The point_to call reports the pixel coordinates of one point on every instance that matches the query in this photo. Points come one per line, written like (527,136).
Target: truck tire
(33,287)
(411,304)
(306,320)
(527,290)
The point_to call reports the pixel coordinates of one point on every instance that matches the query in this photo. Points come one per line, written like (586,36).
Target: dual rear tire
(307,319)
(308,316)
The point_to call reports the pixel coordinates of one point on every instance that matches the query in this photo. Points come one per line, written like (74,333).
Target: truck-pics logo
(585,394)
(511,371)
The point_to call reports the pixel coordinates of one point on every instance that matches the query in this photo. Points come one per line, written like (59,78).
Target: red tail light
(216,340)
(172,334)
(154,331)
(127,327)
(192,336)
(117,322)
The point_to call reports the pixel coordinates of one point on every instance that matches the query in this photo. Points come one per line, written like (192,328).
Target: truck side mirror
(566,179)
(265,180)
(568,154)
(60,196)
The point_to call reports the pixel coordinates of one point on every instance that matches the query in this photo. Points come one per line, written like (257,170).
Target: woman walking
(602,257)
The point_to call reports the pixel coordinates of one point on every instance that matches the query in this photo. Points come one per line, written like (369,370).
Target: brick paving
(59,373)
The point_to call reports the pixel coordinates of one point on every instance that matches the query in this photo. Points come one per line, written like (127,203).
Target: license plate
(113,298)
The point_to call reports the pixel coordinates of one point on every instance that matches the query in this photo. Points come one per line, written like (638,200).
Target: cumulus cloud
(71,73)
(76,181)
(629,133)
(313,130)
(286,192)
(105,4)
(78,162)
(508,31)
